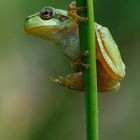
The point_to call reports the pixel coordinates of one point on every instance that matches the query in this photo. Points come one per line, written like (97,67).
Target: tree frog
(61,27)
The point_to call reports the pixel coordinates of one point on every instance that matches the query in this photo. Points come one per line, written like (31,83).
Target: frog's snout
(26,23)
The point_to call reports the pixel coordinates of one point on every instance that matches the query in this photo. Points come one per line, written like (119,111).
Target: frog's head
(48,23)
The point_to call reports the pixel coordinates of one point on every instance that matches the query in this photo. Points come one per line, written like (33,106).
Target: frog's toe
(58,80)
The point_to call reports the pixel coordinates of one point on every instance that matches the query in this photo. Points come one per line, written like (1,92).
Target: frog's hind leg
(72,81)
(105,81)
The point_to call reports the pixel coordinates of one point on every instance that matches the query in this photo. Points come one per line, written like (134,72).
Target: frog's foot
(73,7)
(85,66)
(77,67)
(78,64)
(84,54)
(81,55)
(72,81)
(72,13)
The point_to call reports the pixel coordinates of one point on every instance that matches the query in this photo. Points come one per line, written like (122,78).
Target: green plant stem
(87,42)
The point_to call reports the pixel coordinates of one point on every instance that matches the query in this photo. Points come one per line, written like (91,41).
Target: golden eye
(47,13)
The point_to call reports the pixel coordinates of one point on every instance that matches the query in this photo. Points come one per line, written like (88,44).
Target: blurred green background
(33,108)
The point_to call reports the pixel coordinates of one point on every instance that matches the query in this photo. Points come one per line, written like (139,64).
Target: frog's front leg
(78,64)
(72,12)
(72,81)
(77,67)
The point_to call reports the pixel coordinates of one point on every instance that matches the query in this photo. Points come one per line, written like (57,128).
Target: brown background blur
(33,108)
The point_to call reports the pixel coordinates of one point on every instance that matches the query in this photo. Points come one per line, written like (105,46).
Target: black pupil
(47,14)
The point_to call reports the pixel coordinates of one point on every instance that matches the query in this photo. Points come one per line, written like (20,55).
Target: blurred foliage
(33,108)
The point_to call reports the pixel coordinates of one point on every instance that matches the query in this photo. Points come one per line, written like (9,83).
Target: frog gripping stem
(72,13)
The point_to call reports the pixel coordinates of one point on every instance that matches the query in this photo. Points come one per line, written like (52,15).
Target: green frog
(61,27)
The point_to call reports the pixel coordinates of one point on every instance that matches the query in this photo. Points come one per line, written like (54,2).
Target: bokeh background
(33,108)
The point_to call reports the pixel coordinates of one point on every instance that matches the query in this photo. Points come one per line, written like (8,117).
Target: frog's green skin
(63,31)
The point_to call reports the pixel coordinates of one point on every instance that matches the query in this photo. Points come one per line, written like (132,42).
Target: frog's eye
(47,13)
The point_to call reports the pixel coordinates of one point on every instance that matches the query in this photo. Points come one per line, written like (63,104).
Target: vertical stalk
(87,42)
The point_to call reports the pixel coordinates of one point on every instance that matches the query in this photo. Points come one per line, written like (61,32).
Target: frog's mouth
(50,33)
